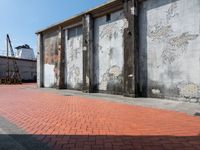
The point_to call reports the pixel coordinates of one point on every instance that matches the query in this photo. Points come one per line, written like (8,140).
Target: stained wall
(170,49)
(74,58)
(50,50)
(109,52)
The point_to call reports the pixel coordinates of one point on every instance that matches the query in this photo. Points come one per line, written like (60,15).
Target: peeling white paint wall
(74,58)
(108,56)
(50,58)
(170,42)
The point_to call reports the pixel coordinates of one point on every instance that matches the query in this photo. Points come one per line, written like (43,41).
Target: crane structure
(12,74)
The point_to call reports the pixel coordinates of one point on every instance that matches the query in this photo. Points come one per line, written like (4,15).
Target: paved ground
(35,120)
(179,106)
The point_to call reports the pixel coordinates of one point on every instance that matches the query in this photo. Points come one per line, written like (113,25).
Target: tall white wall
(170,48)
(108,54)
(50,58)
(74,58)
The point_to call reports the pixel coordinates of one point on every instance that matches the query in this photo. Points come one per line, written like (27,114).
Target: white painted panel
(74,58)
(108,40)
(49,75)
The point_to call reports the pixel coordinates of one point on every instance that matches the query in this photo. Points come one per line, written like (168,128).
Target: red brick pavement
(71,122)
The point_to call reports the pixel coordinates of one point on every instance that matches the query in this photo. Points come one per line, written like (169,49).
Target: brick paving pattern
(75,123)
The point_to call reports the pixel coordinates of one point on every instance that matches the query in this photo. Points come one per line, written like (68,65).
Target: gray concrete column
(131,49)
(88,53)
(61,59)
(40,61)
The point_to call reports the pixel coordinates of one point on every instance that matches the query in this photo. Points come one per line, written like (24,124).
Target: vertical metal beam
(131,49)
(40,61)
(88,53)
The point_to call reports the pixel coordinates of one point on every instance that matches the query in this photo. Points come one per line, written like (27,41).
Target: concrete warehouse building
(130,47)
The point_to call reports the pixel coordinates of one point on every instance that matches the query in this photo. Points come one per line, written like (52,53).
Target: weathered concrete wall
(88,52)
(50,42)
(131,49)
(108,55)
(74,58)
(27,68)
(170,49)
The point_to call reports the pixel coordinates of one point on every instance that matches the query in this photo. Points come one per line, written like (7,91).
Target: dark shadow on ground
(197,114)
(96,142)
(14,138)
(21,142)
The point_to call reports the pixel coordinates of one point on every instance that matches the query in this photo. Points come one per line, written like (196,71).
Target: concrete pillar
(131,49)
(61,59)
(88,53)
(40,61)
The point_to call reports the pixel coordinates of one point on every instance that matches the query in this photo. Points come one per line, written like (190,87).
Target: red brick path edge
(71,122)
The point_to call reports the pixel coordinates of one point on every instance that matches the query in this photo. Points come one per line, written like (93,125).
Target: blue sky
(22,18)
